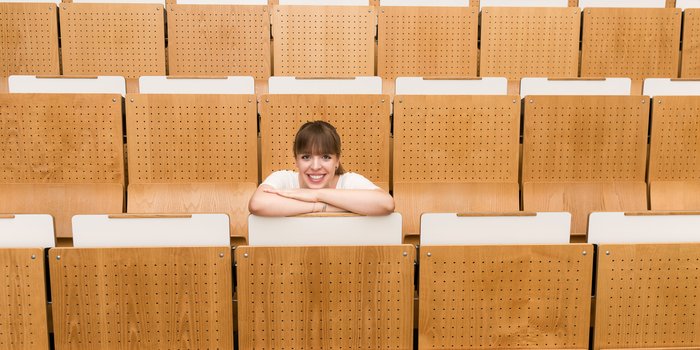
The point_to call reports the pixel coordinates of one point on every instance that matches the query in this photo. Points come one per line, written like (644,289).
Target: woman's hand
(301,194)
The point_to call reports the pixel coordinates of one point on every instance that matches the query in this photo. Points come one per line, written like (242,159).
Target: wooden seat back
(29,39)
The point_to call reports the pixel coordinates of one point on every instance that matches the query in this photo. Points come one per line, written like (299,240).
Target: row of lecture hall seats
(456,145)
(485,281)
(339,41)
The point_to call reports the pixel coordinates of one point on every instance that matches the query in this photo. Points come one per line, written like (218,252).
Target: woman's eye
(305,157)
(326,157)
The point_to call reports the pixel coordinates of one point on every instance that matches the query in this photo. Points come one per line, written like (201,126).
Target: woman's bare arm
(363,202)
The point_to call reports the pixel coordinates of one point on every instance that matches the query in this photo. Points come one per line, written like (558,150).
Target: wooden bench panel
(28,39)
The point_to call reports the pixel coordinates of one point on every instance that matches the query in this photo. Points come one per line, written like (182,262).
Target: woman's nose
(315,163)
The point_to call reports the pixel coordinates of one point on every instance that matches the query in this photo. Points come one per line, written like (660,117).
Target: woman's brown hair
(318,137)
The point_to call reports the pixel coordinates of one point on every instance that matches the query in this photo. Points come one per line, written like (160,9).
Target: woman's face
(317,170)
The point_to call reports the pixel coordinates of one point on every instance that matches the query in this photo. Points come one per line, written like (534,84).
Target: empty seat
(29,38)
(583,154)
(690,60)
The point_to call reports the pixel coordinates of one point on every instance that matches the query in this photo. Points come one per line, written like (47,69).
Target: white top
(620,228)
(431,3)
(125,231)
(687,4)
(325,2)
(357,86)
(34,1)
(524,3)
(240,85)
(622,3)
(544,86)
(27,231)
(287,180)
(422,86)
(666,87)
(66,85)
(450,229)
(324,230)
(221,2)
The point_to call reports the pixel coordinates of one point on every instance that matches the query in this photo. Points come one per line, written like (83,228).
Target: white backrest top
(350,86)
(545,86)
(472,229)
(325,2)
(171,85)
(155,2)
(26,231)
(221,2)
(34,1)
(66,85)
(687,4)
(335,230)
(617,227)
(667,87)
(622,3)
(480,86)
(524,3)
(151,230)
(431,3)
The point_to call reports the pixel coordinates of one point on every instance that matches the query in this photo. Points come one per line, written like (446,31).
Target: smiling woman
(321,184)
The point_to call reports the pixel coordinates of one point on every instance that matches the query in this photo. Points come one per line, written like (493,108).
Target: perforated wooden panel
(585,138)
(24,48)
(362,122)
(61,138)
(219,40)
(192,138)
(647,296)
(633,43)
(323,41)
(518,42)
(325,297)
(690,64)
(675,139)
(145,298)
(456,139)
(113,39)
(427,41)
(23,322)
(505,297)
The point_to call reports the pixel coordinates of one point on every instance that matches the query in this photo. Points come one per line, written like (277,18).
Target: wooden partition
(690,64)
(674,164)
(142,298)
(28,39)
(529,41)
(224,40)
(631,42)
(326,297)
(647,296)
(505,297)
(63,155)
(23,317)
(362,121)
(113,39)
(584,154)
(455,154)
(192,154)
(427,41)
(324,41)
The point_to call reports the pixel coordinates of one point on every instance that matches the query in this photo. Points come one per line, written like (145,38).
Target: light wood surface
(229,198)
(520,42)
(361,120)
(628,42)
(690,63)
(414,199)
(323,41)
(23,319)
(455,154)
(113,39)
(674,195)
(28,49)
(142,298)
(505,297)
(427,41)
(4,85)
(191,138)
(325,297)
(219,40)
(647,296)
(580,199)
